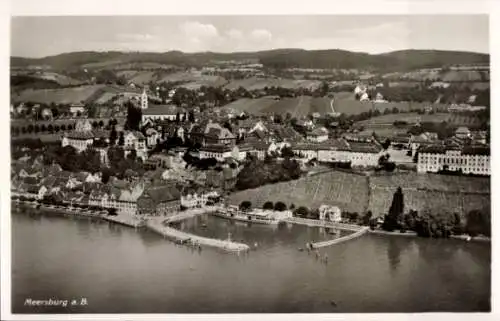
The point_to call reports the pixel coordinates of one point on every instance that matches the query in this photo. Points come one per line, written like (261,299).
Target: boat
(260,217)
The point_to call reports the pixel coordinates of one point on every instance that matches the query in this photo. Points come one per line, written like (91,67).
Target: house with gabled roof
(211,133)
(159,200)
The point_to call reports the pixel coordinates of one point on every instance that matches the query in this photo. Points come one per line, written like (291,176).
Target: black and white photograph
(248,164)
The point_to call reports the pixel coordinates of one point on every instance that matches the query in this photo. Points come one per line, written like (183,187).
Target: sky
(39,36)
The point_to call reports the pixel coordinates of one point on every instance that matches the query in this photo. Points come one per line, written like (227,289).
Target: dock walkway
(311,222)
(191,213)
(341,239)
(156,224)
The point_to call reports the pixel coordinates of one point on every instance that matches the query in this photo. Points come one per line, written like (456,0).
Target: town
(140,150)
(247,164)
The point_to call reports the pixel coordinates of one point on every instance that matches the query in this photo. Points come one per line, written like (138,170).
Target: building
(462,133)
(81,138)
(152,137)
(469,160)
(135,140)
(357,153)
(159,201)
(144,100)
(76,109)
(330,213)
(211,133)
(162,112)
(317,135)
(219,151)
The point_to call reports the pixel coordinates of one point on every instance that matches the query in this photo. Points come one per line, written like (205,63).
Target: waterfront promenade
(157,224)
(311,222)
(354,235)
(191,213)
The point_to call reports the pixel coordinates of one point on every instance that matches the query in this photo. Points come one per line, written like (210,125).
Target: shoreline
(155,224)
(229,246)
(413,234)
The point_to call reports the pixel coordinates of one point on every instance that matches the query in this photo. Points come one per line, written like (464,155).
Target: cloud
(135,37)
(195,29)
(234,34)
(398,29)
(261,35)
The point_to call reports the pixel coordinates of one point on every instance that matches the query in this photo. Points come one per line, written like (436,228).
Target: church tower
(144,99)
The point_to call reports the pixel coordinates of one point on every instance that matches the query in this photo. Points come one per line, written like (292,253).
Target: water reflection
(394,253)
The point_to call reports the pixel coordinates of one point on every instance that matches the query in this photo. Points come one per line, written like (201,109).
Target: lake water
(122,270)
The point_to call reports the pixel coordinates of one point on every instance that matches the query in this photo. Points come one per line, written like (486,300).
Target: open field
(60,122)
(208,81)
(304,105)
(260,83)
(297,107)
(357,193)
(345,190)
(59,96)
(252,106)
(410,118)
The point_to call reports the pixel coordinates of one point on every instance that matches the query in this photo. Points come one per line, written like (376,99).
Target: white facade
(220,155)
(144,100)
(454,160)
(79,144)
(332,212)
(331,155)
(134,141)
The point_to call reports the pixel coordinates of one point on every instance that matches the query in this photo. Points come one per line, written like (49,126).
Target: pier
(157,225)
(191,213)
(354,235)
(311,222)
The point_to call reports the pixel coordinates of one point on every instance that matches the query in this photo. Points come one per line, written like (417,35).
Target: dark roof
(216,148)
(80,135)
(361,147)
(161,194)
(333,144)
(162,110)
(476,150)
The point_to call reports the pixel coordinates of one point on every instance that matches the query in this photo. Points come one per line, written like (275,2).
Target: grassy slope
(350,192)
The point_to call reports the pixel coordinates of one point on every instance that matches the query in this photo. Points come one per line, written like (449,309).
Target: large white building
(162,112)
(81,138)
(470,160)
(357,153)
(135,140)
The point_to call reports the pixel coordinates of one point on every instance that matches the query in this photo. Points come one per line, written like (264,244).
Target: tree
(245,205)
(191,117)
(121,140)
(134,117)
(302,211)
(386,144)
(113,135)
(287,152)
(478,222)
(132,155)
(367,217)
(393,219)
(268,205)
(280,206)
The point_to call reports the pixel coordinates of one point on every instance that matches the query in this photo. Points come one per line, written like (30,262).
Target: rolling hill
(279,58)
